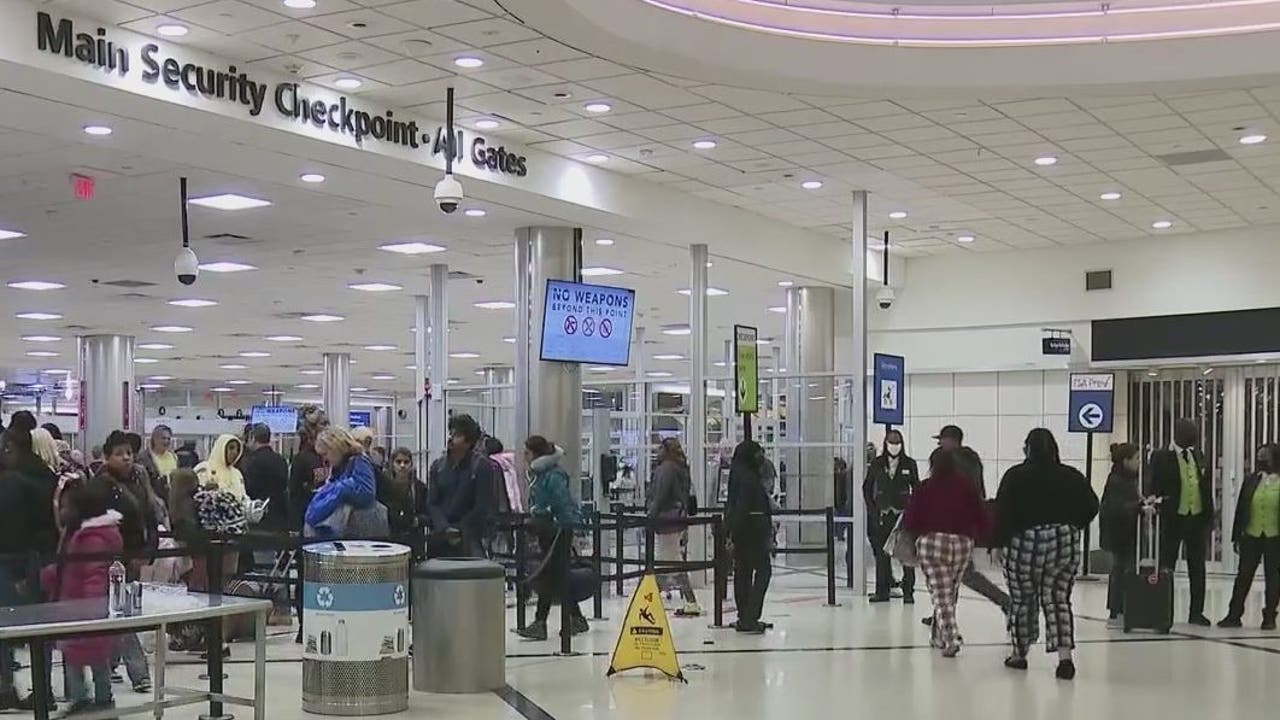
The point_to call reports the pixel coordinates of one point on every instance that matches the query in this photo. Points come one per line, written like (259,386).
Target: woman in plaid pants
(1041,508)
(947,517)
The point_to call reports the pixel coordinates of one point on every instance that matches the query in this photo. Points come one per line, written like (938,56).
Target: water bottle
(115,598)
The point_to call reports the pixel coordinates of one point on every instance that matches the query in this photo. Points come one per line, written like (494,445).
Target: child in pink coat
(91,527)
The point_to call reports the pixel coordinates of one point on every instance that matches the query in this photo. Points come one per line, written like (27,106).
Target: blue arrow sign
(1091,403)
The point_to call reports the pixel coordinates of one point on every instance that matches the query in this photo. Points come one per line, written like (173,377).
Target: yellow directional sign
(645,640)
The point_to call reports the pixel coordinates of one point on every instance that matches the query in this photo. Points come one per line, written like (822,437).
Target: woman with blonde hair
(347,505)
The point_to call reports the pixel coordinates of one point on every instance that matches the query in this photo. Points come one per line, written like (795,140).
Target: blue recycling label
(354,597)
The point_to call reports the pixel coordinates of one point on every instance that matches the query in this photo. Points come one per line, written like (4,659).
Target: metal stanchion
(618,550)
(597,541)
(848,554)
(522,588)
(213,634)
(566,590)
(648,547)
(719,573)
(831,556)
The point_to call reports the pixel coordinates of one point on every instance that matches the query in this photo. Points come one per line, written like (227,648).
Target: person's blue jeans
(77,686)
(135,660)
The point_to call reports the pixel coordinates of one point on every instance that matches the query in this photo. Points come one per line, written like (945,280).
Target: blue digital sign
(587,323)
(360,418)
(281,419)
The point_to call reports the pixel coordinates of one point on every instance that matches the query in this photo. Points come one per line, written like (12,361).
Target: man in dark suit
(1181,478)
(891,478)
(266,477)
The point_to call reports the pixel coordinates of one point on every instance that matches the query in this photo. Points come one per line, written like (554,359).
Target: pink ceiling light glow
(1011,24)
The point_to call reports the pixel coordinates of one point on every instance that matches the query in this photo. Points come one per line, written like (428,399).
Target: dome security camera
(448,194)
(885,297)
(186,266)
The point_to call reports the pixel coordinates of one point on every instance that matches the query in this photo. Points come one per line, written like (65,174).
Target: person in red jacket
(91,527)
(947,518)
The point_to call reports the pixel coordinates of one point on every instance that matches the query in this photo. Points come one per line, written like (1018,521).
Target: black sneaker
(750,629)
(1230,621)
(536,630)
(1200,620)
(116,677)
(1066,670)
(578,625)
(1269,622)
(1016,662)
(878,598)
(142,686)
(908,599)
(927,621)
(10,701)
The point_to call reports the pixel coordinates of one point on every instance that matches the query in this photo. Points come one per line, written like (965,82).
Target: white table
(162,605)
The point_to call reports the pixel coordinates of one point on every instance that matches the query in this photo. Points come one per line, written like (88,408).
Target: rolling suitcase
(1148,590)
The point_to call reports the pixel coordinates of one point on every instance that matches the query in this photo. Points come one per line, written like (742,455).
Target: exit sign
(1055,346)
(82,186)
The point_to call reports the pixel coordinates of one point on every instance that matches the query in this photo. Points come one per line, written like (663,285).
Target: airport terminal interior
(434,321)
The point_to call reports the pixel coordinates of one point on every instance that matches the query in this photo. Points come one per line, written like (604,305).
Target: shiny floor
(870,659)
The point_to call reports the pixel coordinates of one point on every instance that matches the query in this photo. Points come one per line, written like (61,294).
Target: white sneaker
(1115,623)
(690,609)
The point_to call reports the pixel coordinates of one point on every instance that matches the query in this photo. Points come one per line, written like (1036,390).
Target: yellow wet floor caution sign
(645,640)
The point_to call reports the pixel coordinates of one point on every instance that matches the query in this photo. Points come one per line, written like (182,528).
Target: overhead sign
(96,47)
(360,418)
(280,419)
(889,379)
(1091,404)
(746,368)
(645,640)
(1055,346)
(587,323)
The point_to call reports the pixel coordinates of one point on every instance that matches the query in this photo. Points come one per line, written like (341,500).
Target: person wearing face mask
(1256,533)
(891,478)
(1181,478)
(1118,524)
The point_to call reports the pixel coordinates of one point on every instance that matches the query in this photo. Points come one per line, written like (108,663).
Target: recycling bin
(459,626)
(355,644)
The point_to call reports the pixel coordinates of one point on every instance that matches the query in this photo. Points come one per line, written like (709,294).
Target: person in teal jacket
(553,516)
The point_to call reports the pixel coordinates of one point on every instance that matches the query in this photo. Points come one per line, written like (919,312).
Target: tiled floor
(857,659)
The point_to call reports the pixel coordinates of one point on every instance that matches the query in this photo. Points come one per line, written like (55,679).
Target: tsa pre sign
(1091,404)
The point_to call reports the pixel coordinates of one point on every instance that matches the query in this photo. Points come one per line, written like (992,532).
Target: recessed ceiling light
(10,234)
(221,390)
(509,340)
(412,248)
(668,356)
(380,348)
(375,287)
(898,215)
(763,342)
(604,242)
(658,374)
(35,285)
(359,389)
(1162,224)
(495,305)
(42,353)
(704,144)
(780,309)
(811,184)
(41,338)
(38,316)
(193,303)
(475,212)
(300,4)
(226,267)
(323,318)
(465,355)
(486,124)
(468,62)
(785,283)
(311,178)
(1046,160)
(597,158)
(599,271)
(347,83)
(98,130)
(172,30)
(676,330)
(1109,196)
(273,392)
(284,338)
(229,201)
(239,382)
(711,292)
(307,386)
(410,367)
(254,354)
(145,361)
(598,107)
(172,328)
(150,386)
(155,346)
(383,377)
(310,371)
(1253,139)
(233,366)
(160,378)
(964,238)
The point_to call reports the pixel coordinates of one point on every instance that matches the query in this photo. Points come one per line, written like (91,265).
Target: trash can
(355,645)
(459,626)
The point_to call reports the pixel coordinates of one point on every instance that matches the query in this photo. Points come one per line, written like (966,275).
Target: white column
(336,391)
(421,312)
(438,359)
(811,410)
(524,318)
(106,387)
(697,434)
(645,424)
(858,441)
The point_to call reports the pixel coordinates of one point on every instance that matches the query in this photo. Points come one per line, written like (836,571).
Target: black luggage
(1148,590)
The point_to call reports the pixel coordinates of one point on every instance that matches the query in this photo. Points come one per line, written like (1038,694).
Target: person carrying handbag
(891,478)
(669,507)
(553,516)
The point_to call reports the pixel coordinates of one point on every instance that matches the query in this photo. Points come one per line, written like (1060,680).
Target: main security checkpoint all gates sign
(587,323)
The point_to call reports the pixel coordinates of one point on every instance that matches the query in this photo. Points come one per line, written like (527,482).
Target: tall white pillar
(106,387)
(524,325)
(857,453)
(498,397)
(644,426)
(811,408)
(554,392)
(336,390)
(697,449)
(421,354)
(438,360)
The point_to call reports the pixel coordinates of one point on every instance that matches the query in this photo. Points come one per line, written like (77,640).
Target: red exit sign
(82,186)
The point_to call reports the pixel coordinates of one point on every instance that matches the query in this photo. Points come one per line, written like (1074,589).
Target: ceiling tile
(514,78)
(644,91)
(486,33)
(703,112)
(431,13)
(604,141)
(749,101)
(292,36)
(636,121)
(574,129)
(537,52)
(350,55)
(228,16)
(417,44)
(584,69)
(358,24)
(402,72)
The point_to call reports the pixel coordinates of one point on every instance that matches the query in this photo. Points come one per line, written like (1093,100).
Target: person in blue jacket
(553,515)
(346,506)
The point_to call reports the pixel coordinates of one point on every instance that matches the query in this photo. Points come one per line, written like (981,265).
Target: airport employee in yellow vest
(1256,533)
(1180,476)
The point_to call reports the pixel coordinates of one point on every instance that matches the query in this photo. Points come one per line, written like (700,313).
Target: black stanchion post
(648,547)
(597,542)
(831,556)
(718,574)
(618,549)
(213,633)
(848,554)
(522,590)
(566,591)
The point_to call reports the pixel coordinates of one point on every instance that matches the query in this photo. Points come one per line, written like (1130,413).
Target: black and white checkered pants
(1040,567)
